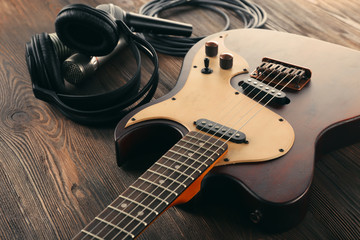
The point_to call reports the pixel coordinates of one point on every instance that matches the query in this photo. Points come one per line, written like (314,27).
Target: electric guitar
(252,109)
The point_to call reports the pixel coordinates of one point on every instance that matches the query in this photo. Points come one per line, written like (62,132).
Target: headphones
(92,32)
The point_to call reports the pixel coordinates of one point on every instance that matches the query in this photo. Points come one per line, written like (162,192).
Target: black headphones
(93,32)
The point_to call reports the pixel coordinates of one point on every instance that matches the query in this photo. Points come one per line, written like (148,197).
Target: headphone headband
(48,84)
(88,30)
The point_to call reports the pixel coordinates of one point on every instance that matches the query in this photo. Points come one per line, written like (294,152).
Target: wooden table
(56,175)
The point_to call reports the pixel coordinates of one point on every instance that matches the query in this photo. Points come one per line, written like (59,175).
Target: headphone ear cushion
(43,63)
(88,30)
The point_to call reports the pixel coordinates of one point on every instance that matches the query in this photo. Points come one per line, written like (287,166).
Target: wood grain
(56,175)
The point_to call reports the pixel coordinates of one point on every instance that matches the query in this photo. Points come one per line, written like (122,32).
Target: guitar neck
(154,191)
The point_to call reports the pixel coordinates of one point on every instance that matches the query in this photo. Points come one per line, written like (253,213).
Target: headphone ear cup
(88,30)
(43,63)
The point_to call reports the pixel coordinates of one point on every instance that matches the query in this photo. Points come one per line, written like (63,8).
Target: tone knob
(226,60)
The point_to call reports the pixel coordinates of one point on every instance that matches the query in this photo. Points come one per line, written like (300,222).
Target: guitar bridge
(283,74)
(220,130)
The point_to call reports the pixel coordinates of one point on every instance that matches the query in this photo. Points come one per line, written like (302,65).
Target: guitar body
(270,176)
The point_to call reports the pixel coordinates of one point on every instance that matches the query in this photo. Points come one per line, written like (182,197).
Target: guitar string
(133,209)
(254,97)
(254,102)
(236,106)
(261,107)
(159,177)
(170,184)
(200,139)
(130,195)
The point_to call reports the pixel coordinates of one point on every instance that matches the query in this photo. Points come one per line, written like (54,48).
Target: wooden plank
(56,175)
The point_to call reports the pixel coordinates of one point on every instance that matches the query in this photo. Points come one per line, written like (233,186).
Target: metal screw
(255,216)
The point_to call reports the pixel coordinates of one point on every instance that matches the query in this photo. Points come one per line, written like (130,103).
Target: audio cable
(252,15)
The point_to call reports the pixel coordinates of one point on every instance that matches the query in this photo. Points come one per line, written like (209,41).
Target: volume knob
(211,48)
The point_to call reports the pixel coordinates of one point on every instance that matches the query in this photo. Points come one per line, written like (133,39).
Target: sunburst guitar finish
(271,172)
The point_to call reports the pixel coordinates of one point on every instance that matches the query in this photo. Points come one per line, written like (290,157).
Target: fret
(194,150)
(156,189)
(115,227)
(125,201)
(165,184)
(184,166)
(194,154)
(150,194)
(189,150)
(187,156)
(114,221)
(126,214)
(153,205)
(90,234)
(218,144)
(201,145)
(196,160)
(175,170)
(183,163)
(86,235)
(159,185)
(102,230)
(151,191)
(165,176)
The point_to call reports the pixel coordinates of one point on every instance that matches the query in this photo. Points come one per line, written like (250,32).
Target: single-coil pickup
(220,130)
(263,92)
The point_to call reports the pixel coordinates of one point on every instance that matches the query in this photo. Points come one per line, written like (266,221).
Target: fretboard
(156,189)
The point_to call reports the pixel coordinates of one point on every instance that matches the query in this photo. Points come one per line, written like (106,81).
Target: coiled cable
(252,15)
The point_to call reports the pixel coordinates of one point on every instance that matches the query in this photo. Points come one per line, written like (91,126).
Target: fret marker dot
(140,213)
(161,181)
(177,166)
(124,205)
(190,154)
(201,144)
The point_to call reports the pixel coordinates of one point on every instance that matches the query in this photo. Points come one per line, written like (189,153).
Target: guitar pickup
(220,130)
(264,92)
